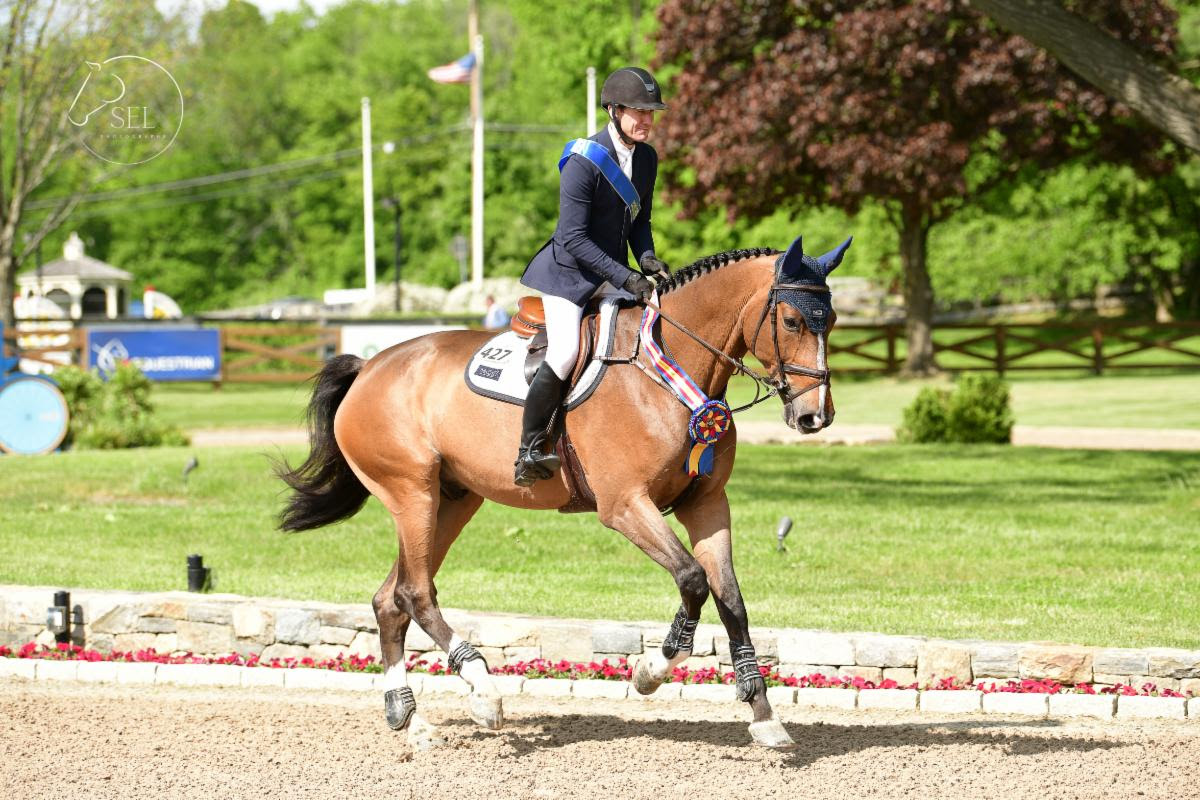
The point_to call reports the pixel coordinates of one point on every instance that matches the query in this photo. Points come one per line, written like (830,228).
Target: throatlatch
(683,632)
(750,682)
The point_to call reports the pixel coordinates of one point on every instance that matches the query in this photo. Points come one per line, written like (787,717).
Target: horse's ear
(793,259)
(830,260)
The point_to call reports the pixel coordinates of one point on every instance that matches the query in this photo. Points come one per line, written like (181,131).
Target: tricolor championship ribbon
(711,418)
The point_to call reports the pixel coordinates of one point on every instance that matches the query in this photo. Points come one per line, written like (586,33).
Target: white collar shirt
(624,154)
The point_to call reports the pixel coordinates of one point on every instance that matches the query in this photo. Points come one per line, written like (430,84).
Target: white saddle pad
(497,369)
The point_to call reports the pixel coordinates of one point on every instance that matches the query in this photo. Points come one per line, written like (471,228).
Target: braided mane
(710,263)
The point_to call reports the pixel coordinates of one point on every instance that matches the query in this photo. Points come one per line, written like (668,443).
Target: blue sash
(598,155)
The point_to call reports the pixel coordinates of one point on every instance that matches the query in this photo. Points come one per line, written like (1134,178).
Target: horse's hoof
(486,711)
(421,735)
(643,679)
(770,733)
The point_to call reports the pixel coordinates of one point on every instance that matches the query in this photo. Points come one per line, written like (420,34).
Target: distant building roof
(75,264)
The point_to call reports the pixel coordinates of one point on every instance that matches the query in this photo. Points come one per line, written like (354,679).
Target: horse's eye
(791,323)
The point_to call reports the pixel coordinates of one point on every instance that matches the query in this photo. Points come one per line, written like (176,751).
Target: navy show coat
(594,234)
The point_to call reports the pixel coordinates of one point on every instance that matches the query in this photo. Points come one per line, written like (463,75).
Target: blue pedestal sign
(33,415)
(163,355)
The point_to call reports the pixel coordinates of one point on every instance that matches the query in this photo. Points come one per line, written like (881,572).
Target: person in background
(494,317)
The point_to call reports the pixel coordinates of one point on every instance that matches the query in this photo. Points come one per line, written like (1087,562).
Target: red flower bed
(572,670)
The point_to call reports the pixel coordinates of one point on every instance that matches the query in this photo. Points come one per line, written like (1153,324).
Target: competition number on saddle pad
(497,370)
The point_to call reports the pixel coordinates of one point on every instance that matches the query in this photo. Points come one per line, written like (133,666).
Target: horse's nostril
(810,421)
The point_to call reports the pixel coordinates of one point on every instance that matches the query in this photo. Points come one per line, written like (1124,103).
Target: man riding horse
(599,221)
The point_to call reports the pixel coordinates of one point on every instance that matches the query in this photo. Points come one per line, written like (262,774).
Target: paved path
(765,432)
(103,741)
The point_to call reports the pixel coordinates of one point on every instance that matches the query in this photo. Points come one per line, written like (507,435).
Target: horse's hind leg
(639,519)
(707,521)
(423,547)
(398,701)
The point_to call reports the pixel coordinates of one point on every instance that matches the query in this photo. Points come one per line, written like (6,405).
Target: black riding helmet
(632,87)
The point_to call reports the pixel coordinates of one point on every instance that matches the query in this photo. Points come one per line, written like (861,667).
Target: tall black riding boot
(536,459)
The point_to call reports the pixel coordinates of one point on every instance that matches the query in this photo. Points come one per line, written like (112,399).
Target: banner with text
(163,355)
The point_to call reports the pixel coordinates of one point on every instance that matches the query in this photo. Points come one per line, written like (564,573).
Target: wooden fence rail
(272,354)
(1096,347)
(286,353)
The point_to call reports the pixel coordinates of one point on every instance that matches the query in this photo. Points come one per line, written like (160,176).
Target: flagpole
(368,200)
(477,148)
(591,101)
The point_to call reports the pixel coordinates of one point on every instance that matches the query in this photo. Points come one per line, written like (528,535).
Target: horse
(405,428)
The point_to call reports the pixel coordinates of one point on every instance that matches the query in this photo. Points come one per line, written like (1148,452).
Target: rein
(774,386)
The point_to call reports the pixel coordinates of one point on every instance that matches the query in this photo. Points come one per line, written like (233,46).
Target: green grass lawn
(1111,401)
(234,405)
(1094,547)
(1126,400)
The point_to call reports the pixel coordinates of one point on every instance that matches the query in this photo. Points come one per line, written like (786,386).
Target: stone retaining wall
(218,624)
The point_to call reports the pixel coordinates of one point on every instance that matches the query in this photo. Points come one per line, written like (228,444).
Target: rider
(587,256)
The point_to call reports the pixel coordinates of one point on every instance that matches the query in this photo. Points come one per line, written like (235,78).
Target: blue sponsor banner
(163,355)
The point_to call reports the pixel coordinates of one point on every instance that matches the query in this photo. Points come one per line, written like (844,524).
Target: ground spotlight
(58,617)
(199,577)
(781,533)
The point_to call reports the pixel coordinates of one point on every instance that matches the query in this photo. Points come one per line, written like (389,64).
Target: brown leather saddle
(530,323)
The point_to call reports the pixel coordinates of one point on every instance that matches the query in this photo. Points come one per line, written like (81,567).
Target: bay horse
(405,428)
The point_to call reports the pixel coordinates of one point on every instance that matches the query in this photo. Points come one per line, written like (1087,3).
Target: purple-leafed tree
(917,105)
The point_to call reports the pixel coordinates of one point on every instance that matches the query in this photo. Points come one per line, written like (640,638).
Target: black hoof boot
(536,459)
(398,707)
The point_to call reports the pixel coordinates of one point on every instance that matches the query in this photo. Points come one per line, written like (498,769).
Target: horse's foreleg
(639,519)
(424,547)
(708,527)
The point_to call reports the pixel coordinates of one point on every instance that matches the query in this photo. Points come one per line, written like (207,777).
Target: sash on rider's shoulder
(598,154)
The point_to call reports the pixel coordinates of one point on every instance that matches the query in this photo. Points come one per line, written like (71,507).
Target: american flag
(454,72)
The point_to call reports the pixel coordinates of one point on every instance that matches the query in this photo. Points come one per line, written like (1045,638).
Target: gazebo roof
(74,264)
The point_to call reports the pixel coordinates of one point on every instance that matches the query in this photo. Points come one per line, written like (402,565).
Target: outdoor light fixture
(198,575)
(58,617)
(781,533)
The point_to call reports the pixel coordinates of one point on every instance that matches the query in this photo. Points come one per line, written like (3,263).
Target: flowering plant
(571,670)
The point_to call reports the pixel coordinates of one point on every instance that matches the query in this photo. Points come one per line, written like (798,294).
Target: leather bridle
(781,384)
(775,384)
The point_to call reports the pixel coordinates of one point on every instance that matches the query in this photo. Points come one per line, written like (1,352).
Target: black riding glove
(654,267)
(637,285)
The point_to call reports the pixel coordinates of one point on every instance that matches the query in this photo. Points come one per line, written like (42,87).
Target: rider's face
(636,123)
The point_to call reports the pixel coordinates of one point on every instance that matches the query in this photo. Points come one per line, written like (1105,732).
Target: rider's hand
(654,267)
(637,284)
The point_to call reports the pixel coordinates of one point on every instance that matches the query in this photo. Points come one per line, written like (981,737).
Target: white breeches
(562,331)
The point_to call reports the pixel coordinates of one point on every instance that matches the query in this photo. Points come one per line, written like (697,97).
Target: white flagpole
(368,200)
(591,101)
(477,146)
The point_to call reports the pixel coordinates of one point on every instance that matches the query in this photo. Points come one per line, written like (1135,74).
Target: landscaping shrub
(117,413)
(977,411)
(925,419)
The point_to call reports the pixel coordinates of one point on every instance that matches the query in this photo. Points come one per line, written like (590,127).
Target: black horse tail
(325,489)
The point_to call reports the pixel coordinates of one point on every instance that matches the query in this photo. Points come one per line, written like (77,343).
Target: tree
(1169,102)
(920,106)
(45,49)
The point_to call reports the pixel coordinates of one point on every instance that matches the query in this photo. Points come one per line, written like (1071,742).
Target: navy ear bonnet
(796,267)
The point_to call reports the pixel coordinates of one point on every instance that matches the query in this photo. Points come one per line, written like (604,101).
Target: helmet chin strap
(612,114)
